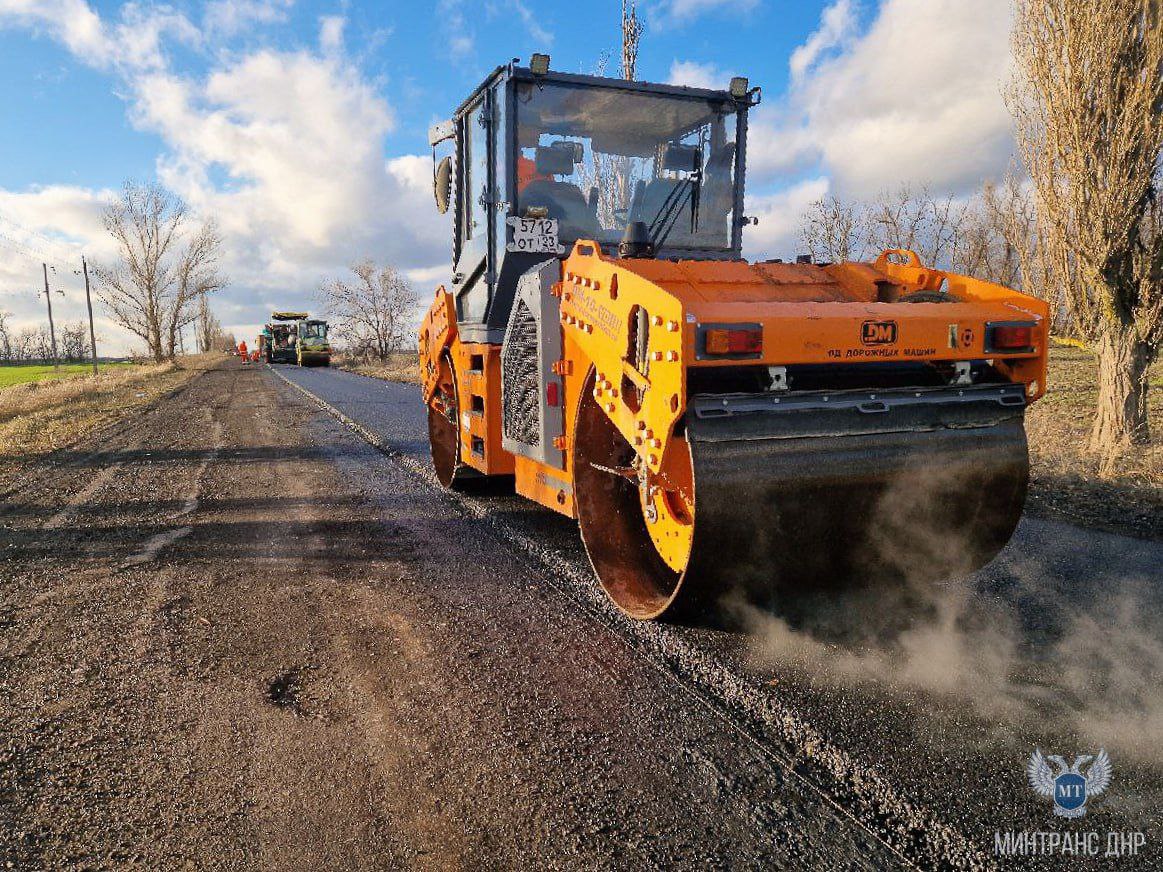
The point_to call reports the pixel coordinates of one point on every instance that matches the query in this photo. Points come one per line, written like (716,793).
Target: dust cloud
(1027,647)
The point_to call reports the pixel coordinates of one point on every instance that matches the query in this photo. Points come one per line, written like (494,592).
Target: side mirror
(442,184)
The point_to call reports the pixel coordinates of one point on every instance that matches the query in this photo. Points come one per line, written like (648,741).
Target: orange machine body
(845,313)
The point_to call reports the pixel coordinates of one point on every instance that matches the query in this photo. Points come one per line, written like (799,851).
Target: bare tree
(835,230)
(993,235)
(34,345)
(602,63)
(371,315)
(918,221)
(196,276)
(207,327)
(73,342)
(160,275)
(1025,256)
(1087,98)
(1001,238)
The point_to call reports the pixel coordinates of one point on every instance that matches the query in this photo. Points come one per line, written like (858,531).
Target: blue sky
(53,103)
(301,126)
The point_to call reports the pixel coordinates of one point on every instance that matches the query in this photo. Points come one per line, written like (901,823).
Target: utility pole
(52,331)
(89,303)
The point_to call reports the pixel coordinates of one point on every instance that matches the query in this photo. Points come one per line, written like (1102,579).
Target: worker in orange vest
(527,172)
(242,351)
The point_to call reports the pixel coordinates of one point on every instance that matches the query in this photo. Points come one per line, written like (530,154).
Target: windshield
(599,158)
(313,330)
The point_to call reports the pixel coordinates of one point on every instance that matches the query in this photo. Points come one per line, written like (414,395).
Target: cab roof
(444,130)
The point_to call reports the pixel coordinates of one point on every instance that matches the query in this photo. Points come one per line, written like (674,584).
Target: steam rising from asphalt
(1081,656)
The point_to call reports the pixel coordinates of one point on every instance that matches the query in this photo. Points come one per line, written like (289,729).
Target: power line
(31,292)
(59,268)
(44,237)
(21,229)
(31,253)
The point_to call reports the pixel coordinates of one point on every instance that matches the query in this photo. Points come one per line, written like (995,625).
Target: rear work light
(733,340)
(1016,336)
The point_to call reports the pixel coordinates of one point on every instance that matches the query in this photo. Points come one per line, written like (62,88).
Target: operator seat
(563,200)
(650,197)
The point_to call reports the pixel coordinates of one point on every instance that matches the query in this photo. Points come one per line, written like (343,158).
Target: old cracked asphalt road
(236,635)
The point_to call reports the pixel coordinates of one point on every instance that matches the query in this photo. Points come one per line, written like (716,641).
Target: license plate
(534,236)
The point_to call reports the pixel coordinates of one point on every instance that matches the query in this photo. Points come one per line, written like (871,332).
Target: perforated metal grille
(521,393)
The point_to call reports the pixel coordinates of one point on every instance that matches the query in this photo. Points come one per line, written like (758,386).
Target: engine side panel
(531,392)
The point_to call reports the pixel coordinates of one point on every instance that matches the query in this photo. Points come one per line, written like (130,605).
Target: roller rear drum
(828,494)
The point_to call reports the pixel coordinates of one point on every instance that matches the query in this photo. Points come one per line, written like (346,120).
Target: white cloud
(458,34)
(696,75)
(681,11)
(775,144)
(54,223)
(134,43)
(533,27)
(836,24)
(300,139)
(285,149)
(331,33)
(229,17)
(916,98)
(779,214)
(71,22)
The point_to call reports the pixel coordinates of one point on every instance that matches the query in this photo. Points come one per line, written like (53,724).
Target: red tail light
(736,340)
(551,398)
(1010,337)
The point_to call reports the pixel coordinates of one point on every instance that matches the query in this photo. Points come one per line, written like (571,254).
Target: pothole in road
(285,690)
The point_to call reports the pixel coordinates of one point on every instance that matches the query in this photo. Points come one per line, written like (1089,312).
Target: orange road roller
(713,424)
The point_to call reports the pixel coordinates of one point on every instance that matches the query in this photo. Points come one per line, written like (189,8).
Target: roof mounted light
(738,87)
(539,64)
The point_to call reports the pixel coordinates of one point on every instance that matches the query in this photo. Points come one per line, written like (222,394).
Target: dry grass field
(402,366)
(1066,481)
(39,417)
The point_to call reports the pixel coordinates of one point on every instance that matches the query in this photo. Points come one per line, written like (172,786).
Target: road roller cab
(312,346)
(711,423)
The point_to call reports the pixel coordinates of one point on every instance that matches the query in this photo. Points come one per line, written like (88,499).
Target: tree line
(34,345)
(992,235)
(1080,223)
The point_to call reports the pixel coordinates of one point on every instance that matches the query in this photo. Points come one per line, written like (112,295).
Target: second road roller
(713,424)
